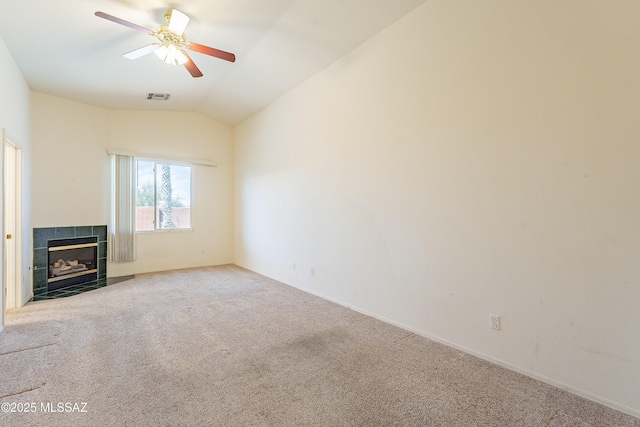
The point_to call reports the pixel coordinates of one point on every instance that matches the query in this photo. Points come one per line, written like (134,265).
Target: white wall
(15,118)
(474,158)
(72,176)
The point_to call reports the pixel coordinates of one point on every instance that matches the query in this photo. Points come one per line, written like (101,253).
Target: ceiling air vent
(158,96)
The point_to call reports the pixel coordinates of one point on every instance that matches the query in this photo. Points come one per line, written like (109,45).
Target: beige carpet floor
(223,346)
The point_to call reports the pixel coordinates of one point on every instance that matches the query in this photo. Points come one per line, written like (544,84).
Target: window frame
(156,162)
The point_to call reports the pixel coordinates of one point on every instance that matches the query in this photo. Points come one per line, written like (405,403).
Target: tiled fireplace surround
(41,259)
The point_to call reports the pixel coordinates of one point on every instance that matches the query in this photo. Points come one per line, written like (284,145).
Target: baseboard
(526,372)
(531,374)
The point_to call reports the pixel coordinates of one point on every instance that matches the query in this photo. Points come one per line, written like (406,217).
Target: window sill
(173,230)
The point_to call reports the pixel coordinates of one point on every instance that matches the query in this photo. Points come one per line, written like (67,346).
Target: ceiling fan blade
(178,22)
(213,52)
(135,54)
(192,67)
(125,23)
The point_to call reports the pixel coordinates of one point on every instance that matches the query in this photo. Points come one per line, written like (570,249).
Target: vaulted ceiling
(63,49)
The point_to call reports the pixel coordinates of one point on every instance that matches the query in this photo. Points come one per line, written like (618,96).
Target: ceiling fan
(171,42)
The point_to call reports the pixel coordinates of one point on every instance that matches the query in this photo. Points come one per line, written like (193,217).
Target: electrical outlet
(494,322)
(313,271)
(294,266)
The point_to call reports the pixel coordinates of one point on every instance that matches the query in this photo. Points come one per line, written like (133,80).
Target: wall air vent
(158,96)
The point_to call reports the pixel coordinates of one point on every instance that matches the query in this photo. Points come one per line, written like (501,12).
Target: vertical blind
(122,234)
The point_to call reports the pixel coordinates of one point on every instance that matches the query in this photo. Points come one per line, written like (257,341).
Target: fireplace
(53,245)
(72,261)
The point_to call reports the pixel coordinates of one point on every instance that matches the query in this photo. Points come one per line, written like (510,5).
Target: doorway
(11,224)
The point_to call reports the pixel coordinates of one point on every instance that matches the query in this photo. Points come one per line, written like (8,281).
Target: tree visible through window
(163,196)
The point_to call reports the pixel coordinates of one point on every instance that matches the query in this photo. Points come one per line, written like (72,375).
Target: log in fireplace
(72,261)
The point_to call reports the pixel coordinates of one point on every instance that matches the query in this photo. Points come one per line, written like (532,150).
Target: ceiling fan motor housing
(167,38)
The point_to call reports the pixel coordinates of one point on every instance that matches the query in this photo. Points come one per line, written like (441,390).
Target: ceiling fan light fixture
(171,55)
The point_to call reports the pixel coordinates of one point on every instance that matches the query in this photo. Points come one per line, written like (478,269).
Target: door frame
(12,278)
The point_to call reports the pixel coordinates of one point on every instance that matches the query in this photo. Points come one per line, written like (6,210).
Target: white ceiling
(63,49)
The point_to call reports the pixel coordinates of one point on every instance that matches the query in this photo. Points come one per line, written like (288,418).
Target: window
(163,195)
